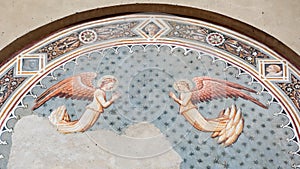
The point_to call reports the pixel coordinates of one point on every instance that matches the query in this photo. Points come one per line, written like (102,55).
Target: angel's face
(182,86)
(270,69)
(108,86)
(273,69)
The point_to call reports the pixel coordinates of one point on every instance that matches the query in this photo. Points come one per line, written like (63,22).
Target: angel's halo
(186,82)
(108,79)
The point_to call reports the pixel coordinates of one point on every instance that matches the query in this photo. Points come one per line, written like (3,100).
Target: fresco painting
(79,87)
(114,87)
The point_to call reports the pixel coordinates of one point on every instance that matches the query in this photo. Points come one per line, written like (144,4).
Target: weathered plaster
(42,142)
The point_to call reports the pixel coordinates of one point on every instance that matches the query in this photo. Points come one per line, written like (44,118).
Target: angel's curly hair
(185,83)
(106,80)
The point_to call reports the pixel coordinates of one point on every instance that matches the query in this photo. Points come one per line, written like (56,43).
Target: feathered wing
(208,88)
(76,87)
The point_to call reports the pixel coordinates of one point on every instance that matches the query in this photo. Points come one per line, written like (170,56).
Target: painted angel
(229,124)
(79,87)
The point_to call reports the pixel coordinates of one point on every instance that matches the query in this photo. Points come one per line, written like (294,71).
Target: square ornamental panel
(30,64)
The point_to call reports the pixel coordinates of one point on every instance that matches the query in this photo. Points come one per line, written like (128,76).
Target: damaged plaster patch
(37,144)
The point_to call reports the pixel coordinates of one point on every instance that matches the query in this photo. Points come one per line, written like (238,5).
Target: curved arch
(211,17)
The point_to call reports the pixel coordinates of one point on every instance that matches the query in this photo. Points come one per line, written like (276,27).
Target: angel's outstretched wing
(76,87)
(208,88)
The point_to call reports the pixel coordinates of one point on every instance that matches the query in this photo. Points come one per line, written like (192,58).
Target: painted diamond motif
(151,29)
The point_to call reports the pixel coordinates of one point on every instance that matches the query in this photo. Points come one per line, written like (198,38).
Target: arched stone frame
(189,12)
(21,45)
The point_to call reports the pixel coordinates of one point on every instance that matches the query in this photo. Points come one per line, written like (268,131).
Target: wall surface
(280,19)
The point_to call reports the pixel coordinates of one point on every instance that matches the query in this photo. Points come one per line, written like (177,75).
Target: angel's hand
(115,96)
(172,95)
